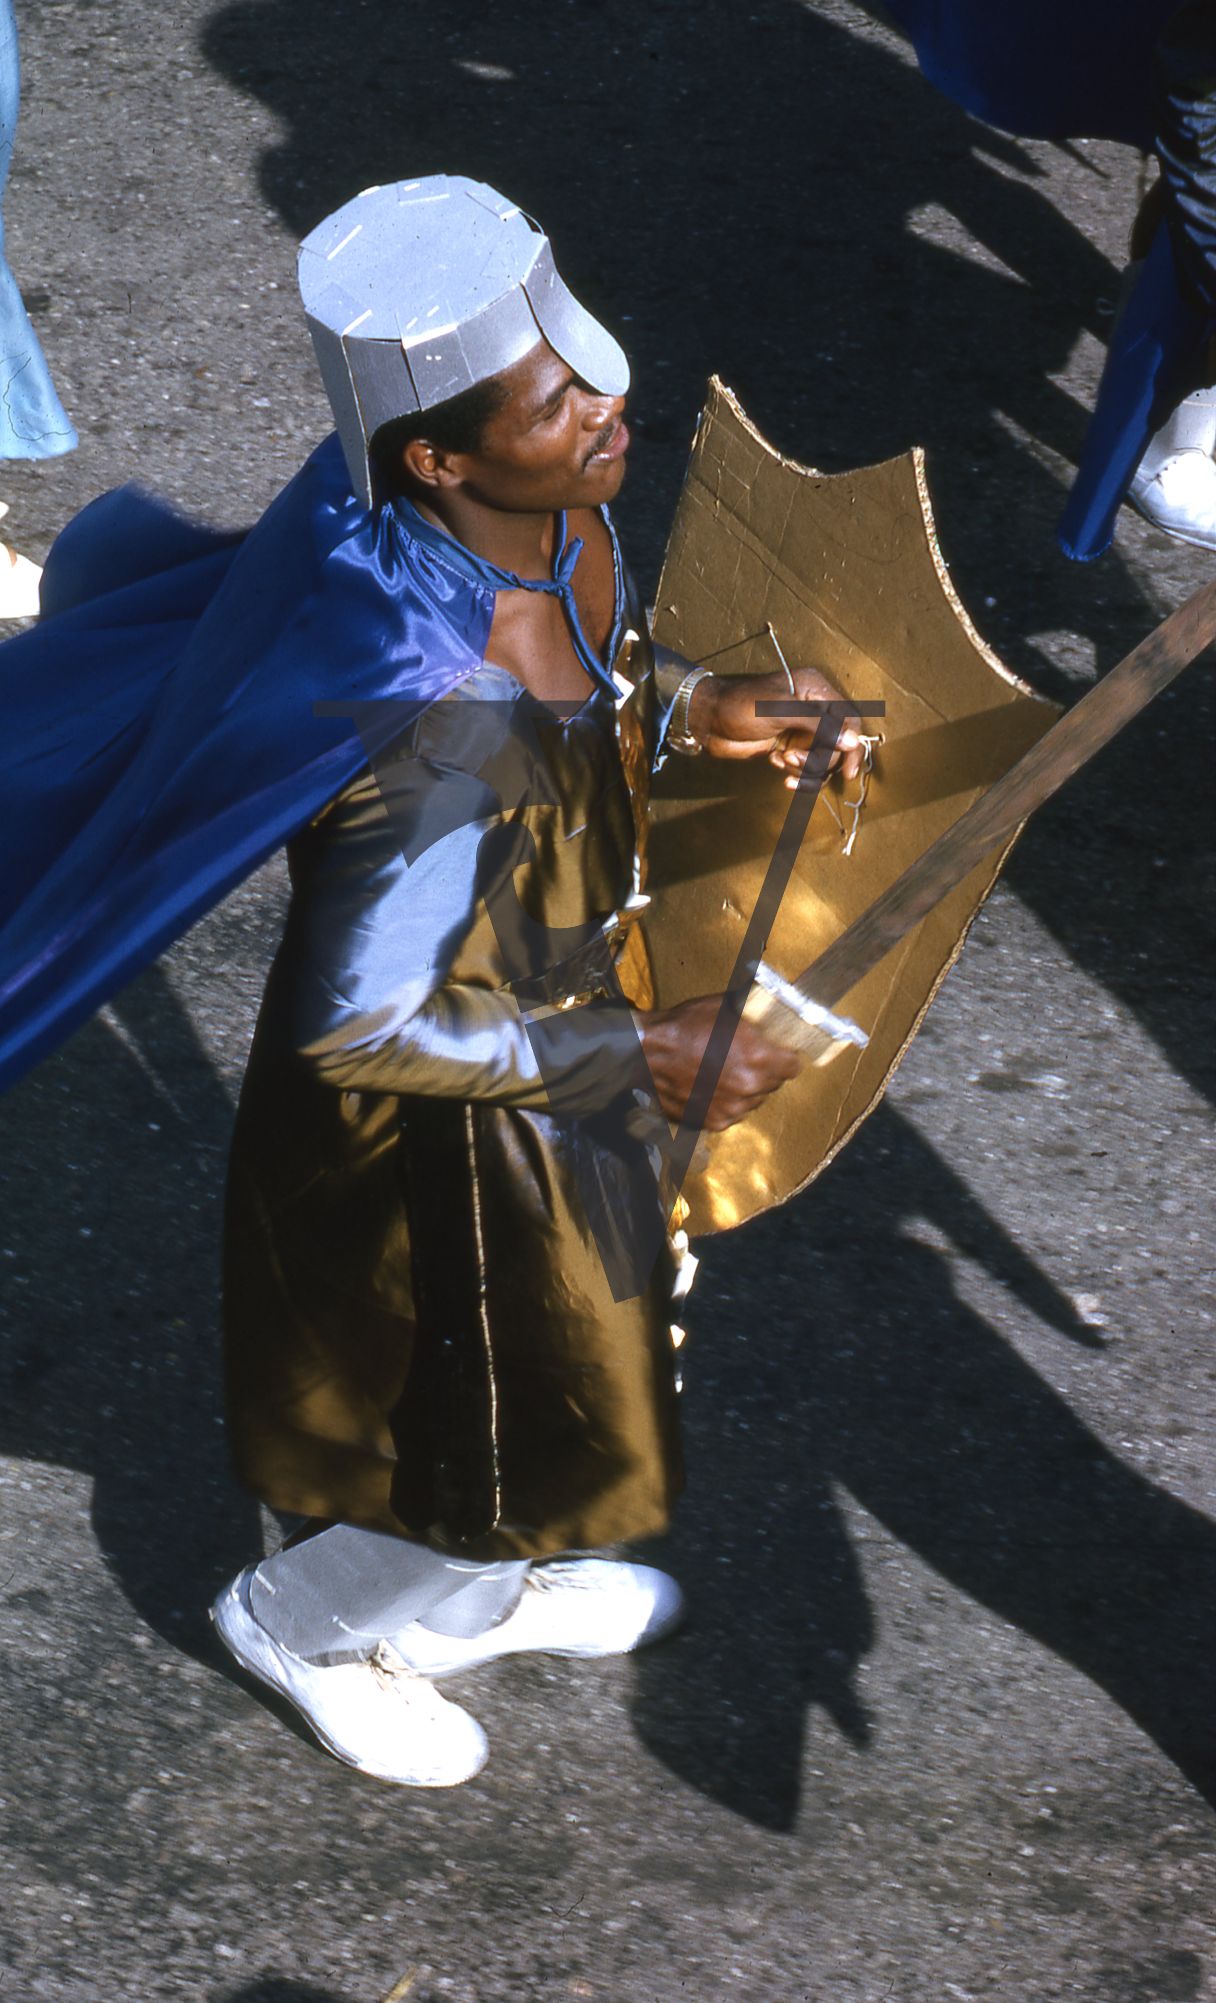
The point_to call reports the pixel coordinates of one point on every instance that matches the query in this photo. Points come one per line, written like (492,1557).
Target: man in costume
(448,1312)
(448,1293)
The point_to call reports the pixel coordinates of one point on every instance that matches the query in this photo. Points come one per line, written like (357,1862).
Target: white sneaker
(380,1715)
(1174,486)
(19,585)
(569,1606)
(1180,497)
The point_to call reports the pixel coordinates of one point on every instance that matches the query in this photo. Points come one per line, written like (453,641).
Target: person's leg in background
(33,422)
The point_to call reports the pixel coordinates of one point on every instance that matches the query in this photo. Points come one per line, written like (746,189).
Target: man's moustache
(603,441)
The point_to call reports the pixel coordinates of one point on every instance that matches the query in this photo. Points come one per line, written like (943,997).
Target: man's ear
(426,465)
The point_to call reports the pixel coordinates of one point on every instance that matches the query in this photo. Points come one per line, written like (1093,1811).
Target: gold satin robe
(421,1332)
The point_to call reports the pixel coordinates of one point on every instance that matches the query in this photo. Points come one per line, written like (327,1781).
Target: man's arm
(721,715)
(370,945)
(372,1006)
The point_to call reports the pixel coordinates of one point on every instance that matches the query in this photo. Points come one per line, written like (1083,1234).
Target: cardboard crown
(420,289)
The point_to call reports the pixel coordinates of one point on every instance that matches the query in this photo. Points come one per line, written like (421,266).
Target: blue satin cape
(189,700)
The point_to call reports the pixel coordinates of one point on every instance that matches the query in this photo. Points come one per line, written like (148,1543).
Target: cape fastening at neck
(159,727)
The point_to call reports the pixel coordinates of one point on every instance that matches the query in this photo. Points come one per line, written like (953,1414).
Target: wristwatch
(679,737)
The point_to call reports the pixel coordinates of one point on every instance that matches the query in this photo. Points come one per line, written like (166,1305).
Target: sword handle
(783,1012)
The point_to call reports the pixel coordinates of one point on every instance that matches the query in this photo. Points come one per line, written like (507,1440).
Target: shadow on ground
(834,1351)
(110,1361)
(855,1364)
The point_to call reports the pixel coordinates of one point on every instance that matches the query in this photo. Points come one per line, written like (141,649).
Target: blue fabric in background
(158,737)
(33,422)
(1161,326)
(1047,69)
(1087,68)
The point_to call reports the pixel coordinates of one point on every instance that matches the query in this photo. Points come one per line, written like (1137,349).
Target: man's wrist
(702,709)
(687,726)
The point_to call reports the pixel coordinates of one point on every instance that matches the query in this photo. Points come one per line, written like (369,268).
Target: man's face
(552,444)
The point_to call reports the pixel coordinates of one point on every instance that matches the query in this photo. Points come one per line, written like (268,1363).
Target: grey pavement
(941,1725)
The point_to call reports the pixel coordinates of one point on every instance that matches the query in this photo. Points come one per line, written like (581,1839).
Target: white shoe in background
(569,1606)
(1174,486)
(19,582)
(379,1715)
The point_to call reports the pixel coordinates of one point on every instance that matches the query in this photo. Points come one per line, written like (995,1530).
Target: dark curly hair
(455,426)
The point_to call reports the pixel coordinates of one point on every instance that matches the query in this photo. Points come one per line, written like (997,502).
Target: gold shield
(845,570)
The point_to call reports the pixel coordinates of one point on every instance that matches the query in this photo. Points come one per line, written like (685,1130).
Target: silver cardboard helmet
(418,290)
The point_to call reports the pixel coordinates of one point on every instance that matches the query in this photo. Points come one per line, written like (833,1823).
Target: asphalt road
(941,1726)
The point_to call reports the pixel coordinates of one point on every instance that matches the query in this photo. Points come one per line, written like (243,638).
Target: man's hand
(674,1041)
(722,715)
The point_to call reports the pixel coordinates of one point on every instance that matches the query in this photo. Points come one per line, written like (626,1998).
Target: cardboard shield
(846,570)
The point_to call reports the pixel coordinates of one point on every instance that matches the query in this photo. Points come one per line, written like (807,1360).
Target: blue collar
(478,570)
